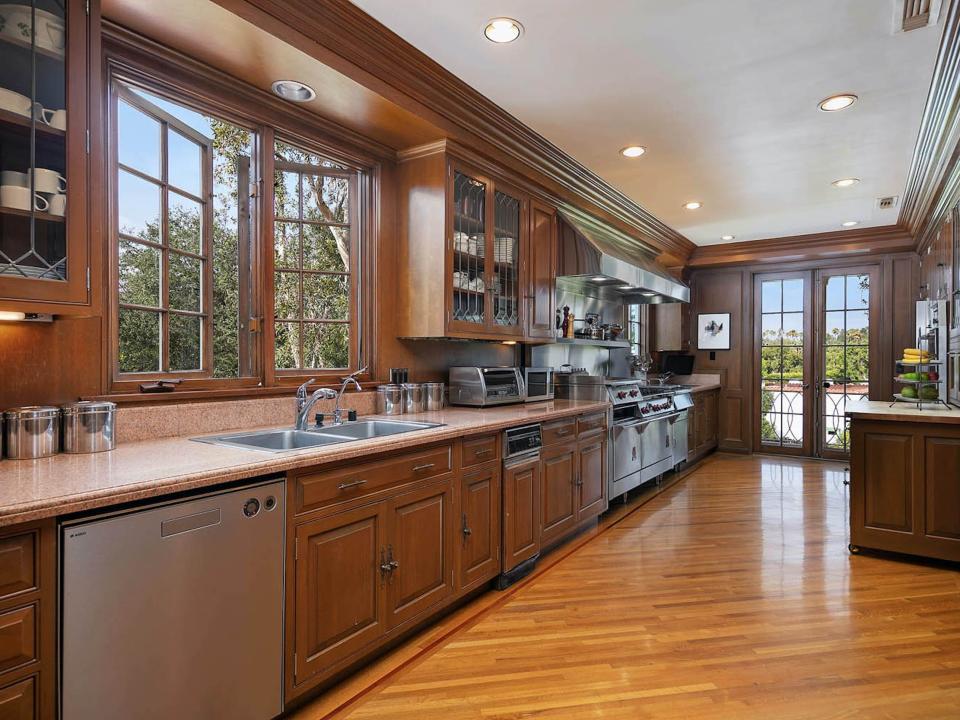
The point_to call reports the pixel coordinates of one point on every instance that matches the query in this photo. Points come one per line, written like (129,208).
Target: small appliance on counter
(538,382)
(485,386)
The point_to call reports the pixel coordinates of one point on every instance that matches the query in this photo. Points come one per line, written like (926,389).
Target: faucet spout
(350,379)
(305,405)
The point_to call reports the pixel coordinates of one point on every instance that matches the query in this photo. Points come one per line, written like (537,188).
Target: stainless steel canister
(434,395)
(413,398)
(389,399)
(31,432)
(89,426)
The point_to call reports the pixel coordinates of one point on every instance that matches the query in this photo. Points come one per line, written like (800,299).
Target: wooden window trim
(164,72)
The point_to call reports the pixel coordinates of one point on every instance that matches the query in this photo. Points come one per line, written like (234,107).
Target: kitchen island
(905,479)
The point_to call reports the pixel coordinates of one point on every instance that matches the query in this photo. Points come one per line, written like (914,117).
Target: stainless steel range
(648,425)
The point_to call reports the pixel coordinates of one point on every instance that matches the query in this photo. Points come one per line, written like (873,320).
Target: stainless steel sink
(286,440)
(366,429)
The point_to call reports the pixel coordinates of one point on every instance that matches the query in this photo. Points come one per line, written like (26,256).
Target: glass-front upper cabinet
(470,269)
(43,150)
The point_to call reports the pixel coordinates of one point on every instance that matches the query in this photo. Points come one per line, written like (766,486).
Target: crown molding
(817,246)
(341,35)
(933,182)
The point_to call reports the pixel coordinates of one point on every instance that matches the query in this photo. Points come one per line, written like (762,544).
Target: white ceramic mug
(57,204)
(54,118)
(14,196)
(15,102)
(48,181)
(14,178)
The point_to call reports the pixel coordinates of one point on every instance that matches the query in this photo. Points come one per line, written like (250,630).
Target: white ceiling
(723,94)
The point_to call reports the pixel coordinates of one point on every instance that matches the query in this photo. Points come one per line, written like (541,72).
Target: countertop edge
(260,464)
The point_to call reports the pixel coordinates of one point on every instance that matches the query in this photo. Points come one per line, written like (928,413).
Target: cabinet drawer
(18,567)
(18,637)
(478,450)
(559,431)
(589,423)
(17,701)
(321,488)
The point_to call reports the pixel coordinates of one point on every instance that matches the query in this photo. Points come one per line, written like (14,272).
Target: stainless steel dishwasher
(175,610)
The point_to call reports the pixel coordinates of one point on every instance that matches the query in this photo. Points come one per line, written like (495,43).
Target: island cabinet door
(521,511)
(592,476)
(339,588)
(942,495)
(883,487)
(419,550)
(558,492)
(479,530)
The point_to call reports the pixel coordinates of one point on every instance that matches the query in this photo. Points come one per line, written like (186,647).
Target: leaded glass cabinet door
(470,275)
(42,152)
(509,215)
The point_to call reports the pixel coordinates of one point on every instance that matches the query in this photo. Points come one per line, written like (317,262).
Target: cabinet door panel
(479,526)
(592,477)
(508,237)
(521,513)
(420,545)
(541,266)
(558,492)
(942,482)
(470,275)
(339,605)
(18,701)
(887,482)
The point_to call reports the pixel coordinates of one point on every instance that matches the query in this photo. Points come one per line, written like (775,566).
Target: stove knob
(621,395)
(634,393)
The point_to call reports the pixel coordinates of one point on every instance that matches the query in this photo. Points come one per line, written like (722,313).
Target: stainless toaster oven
(485,386)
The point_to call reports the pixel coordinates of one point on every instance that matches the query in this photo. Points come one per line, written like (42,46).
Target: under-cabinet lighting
(837,102)
(693,205)
(502,30)
(12,316)
(633,151)
(294,90)
(648,294)
(509,342)
(629,287)
(599,278)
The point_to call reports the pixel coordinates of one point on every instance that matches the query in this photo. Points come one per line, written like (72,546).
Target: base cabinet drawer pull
(425,466)
(483,453)
(562,433)
(353,484)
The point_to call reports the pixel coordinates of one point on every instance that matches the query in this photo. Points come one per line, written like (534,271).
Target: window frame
(214,93)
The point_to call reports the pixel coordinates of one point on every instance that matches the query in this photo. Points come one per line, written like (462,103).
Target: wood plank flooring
(731,595)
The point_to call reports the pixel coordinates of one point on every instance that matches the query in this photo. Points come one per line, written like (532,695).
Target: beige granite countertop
(700,382)
(905,412)
(34,489)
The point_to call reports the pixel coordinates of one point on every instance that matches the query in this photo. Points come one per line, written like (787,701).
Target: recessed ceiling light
(502,30)
(632,151)
(727,238)
(294,90)
(845,182)
(693,205)
(850,223)
(837,102)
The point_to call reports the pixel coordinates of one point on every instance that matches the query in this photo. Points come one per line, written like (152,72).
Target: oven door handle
(671,416)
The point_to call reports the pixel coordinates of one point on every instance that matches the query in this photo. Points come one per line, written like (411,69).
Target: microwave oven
(539,383)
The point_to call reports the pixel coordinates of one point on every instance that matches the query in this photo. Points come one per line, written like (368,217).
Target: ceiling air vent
(887,203)
(916,14)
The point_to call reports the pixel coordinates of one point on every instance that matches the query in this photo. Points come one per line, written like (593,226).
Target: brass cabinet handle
(348,485)
(425,466)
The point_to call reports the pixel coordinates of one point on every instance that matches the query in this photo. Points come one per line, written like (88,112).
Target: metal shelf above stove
(594,343)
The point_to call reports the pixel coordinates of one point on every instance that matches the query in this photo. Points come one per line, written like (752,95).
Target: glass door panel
(33,124)
(506,260)
(844,354)
(470,272)
(783,422)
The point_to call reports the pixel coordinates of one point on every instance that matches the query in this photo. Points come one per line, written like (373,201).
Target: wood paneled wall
(730,290)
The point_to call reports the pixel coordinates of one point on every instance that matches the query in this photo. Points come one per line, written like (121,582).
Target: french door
(814,354)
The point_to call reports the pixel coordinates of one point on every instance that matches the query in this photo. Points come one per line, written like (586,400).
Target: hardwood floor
(731,595)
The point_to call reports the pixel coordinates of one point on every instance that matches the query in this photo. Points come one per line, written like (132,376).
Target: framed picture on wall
(713,331)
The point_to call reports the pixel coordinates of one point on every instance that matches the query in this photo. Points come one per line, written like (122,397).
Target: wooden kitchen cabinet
(521,512)
(478,226)
(479,529)
(339,588)
(541,275)
(19,701)
(558,491)
(591,475)
(671,327)
(904,493)
(419,550)
(44,251)
(703,431)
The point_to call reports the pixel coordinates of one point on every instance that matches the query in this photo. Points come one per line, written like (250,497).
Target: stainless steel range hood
(599,260)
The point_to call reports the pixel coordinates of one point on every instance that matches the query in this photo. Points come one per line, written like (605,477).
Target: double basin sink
(288,439)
